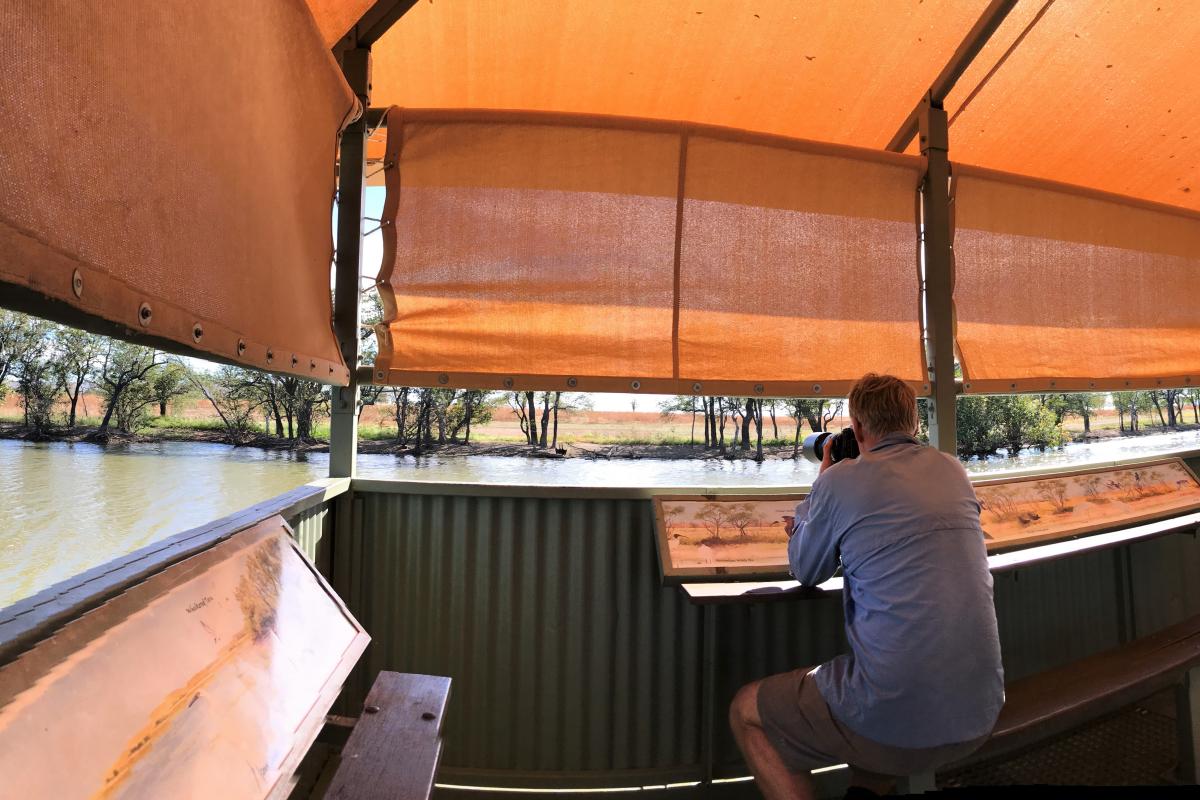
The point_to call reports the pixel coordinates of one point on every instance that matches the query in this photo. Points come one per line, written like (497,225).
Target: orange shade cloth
(1059,288)
(1101,95)
(175,187)
(335,18)
(543,251)
(837,72)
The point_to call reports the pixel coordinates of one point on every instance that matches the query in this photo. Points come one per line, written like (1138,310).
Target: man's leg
(774,779)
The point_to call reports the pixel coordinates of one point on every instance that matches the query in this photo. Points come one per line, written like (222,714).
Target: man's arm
(813,548)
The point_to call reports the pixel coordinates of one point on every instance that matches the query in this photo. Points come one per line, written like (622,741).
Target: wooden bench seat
(1051,703)
(394,748)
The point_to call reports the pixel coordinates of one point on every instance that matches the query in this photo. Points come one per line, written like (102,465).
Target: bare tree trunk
(532,418)
(692,440)
(747,416)
(758,420)
(545,420)
(557,398)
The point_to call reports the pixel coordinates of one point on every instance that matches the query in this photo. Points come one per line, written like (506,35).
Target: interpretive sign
(210,679)
(723,537)
(1028,509)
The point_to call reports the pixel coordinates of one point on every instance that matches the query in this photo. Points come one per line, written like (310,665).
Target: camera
(842,445)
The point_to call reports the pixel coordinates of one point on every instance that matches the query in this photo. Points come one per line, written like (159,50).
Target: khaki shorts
(806,735)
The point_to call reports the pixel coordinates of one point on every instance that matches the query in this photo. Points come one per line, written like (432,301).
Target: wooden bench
(1054,702)
(393,749)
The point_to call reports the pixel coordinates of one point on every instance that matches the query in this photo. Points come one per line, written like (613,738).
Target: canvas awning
(1063,91)
(168,168)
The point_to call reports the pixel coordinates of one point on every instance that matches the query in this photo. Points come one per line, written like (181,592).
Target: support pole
(343,425)
(939,276)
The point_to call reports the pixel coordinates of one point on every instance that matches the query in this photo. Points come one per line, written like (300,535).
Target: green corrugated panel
(310,528)
(567,654)
(572,665)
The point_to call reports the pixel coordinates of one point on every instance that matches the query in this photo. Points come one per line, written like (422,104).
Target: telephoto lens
(843,445)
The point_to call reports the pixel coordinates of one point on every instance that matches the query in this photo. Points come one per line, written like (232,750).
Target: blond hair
(883,404)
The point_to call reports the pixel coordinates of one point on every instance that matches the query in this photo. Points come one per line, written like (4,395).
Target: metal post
(939,276)
(343,426)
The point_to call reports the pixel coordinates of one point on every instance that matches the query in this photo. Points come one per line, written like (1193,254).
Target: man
(922,684)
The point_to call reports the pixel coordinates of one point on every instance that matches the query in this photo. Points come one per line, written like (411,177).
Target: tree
(124,365)
(168,382)
(685,403)
(233,398)
(670,514)
(977,435)
(985,424)
(1082,405)
(18,335)
(741,516)
(37,378)
(714,516)
(1053,492)
(77,356)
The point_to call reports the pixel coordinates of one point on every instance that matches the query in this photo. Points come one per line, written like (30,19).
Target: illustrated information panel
(744,536)
(210,679)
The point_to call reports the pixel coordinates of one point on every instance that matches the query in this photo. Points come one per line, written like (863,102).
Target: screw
(241,346)
(572,382)
(635,385)
(77,283)
(197,332)
(696,388)
(371,709)
(758,388)
(443,379)
(429,715)
(144,314)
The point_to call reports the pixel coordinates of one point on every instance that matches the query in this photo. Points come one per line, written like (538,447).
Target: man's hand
(827,456)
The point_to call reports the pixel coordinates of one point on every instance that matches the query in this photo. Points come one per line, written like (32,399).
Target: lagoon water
(67,507)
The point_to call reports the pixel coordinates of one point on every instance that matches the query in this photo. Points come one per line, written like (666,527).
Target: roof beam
(381,16)
(974,41)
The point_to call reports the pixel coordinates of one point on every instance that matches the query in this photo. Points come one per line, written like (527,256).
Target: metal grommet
(1092,385)
(1159,381)
(443,379)
(1053,384)
(965,386)
(696,387)
(925,387)
(816,388)
(508,383)
(312,365)
(270,355)
(241,347)
(144,314)
(379,375)
(295,360)
(635,385)
(758,388)
(1187,380)
(331,369)
(77,283)
(197,332)
(1126,383)
(1012,386)
(572,382)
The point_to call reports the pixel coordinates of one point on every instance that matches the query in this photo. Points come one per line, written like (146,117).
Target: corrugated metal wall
(312,531)
(573,665)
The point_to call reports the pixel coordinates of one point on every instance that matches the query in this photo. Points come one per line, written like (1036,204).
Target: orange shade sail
(1063,289)
(548,251)
(174,187)
(1101,95)
(840,72)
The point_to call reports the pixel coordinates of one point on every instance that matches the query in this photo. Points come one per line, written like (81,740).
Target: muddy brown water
(67,507)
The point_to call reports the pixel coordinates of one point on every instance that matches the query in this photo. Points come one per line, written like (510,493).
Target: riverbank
(211,435)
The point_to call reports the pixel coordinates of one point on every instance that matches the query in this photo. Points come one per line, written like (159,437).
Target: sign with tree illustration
(1018,511)
(744,536)
(724,535)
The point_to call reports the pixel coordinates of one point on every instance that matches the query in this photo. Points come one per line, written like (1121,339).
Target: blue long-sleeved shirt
(903,521)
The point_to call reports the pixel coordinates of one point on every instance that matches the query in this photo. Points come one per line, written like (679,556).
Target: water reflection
(68,507)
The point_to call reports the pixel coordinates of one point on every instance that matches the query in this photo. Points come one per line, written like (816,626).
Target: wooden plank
(1056,701)
(394,750)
